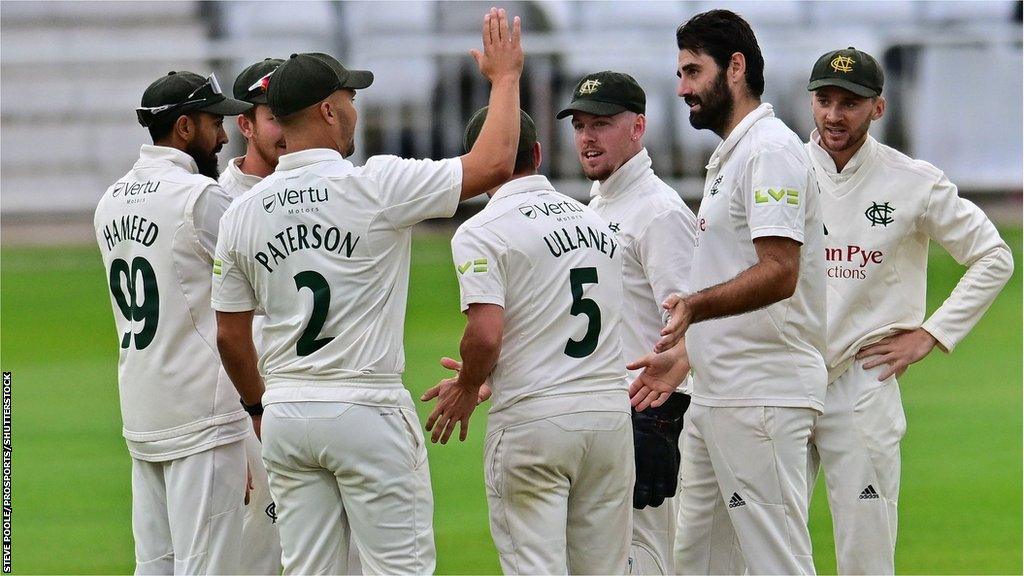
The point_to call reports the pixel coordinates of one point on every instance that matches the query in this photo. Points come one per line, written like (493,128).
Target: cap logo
(589,87)
(842,64)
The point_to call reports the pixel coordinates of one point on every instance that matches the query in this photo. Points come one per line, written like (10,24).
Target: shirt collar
(825,160)
(625,177)
(304,158)
(524,184)
(154,153)
(765,110)
(235,170)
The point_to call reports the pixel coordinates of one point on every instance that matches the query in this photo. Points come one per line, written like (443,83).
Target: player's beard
(269,152)
(206,160)
(854,137)
(716,106)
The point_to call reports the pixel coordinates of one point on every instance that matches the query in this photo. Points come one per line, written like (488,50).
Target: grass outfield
(960,506)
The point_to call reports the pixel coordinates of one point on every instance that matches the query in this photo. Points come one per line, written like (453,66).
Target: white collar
(625,177)
(235,170)
(309,156)
(825,160)
(154,153)
(524,184)
(765,110)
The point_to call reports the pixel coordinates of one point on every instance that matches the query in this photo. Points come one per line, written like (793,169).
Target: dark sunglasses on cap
(259,87)
(209,92)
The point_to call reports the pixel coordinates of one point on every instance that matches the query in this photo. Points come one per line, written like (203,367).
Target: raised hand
(502,56)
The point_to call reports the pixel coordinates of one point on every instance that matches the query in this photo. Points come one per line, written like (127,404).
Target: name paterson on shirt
(301,236)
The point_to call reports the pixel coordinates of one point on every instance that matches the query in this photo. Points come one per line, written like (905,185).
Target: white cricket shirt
(759,184)
(556,269)
(236,183)
(323,247)
(655,231)
(156,227)
(879,214)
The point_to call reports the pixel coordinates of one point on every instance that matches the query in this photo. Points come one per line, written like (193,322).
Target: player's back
(559,271)
(325,247)
(173,393)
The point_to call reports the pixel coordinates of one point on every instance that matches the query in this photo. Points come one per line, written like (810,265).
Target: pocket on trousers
(492,463)
(416,441)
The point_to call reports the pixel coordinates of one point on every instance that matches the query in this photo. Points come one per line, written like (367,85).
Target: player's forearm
(973,295)
(479,350)
(238,355)
(763,284)
(492,159)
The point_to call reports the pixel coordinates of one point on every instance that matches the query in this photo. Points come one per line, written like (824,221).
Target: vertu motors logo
(589,86)
(528,211)
(880,214)
(842,64)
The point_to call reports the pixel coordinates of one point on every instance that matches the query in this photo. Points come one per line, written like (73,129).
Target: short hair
(720,34)
(524,162)
(160,131)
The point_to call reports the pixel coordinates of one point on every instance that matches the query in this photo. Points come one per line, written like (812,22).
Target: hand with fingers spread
(680,317)
(899,351)
(502,56)
(482,396)
(662,373)
(455,404)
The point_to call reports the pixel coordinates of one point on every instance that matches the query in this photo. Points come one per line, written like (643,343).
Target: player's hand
(482,396)
(898,351)
(502,56)
(662,373)
(256,423)
(455,404)
(680,316)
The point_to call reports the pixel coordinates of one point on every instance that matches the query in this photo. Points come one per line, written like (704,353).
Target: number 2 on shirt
(580,305)
(317,284)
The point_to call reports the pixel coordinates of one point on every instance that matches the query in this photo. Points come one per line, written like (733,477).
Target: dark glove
(656,447)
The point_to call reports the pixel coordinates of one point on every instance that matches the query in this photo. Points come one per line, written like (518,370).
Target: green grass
(960,507)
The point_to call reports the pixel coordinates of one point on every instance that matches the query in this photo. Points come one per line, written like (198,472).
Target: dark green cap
(527,130)
(849,69)
(251,84)
(305,79)
(178,93)
(606,94)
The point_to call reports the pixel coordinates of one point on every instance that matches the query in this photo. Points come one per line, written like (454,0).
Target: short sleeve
(415,190)
(480,262)
(666,251)
(232,289)
(776,197)
(211,204)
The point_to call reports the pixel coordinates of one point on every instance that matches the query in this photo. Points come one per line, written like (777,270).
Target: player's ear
(639,127)
(538,156)
(878,108)
(326,110)
(185,128)
(737,69)
(245,126)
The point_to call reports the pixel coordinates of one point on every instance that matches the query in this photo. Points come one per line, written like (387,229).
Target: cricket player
(880,210)
(157,229)
(323,248)
(757,317)
(653,227)
(261,543)
(540,277)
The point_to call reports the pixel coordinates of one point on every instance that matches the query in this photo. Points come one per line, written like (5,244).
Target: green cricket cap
(305,79)
(251,84)
(527,130)
(849,69)
(606,94)
(178,93)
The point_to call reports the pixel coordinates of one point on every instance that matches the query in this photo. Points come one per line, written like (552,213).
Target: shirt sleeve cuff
(223,306)
(945,341)
(482,299)
(777,231)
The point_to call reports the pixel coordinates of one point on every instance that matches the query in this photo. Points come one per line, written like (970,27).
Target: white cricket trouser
(560,493)
(339,466)
(261,543)
(857,443)
(187,512)
(743,480)
(654,532)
